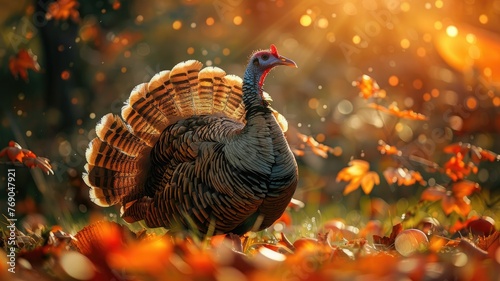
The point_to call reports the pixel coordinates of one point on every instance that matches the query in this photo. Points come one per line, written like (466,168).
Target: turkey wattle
(196,149)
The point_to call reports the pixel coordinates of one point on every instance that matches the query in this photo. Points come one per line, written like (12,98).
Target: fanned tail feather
(210,79)
(109,187)
(142,112)
(118,159)
(104,155)
(234,104)
(113,130)
(184,80)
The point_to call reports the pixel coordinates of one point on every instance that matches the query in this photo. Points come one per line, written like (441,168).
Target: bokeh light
(177,25)
(305,20)
(452,31)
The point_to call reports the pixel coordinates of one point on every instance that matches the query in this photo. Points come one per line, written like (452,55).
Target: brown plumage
(196,149)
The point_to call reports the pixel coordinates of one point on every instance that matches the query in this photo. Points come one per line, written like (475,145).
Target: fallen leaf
(389,241)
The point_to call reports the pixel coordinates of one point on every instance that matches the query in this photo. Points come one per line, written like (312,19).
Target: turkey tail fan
(118,158)
(115,162)
(142,113)
(184,81)
(234,106)
(209,80)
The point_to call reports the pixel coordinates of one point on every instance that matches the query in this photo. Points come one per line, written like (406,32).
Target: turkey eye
(265,57)
(256,62)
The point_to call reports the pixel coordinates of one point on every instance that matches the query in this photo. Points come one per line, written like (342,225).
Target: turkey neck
(252,95)
(252,148)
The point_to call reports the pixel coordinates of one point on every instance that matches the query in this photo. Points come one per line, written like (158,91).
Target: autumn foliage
(110,251)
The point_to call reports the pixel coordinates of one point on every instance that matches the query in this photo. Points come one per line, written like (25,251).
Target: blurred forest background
(439,58)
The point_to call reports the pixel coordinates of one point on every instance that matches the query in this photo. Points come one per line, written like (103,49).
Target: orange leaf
(402,176)
(456,148)
(15,153)
(384,148)
(488,155)
(491,244)
(457,169)
(393,109)
(436,243)
(23,61)
(368,181)
(452,200)
(477,153)
(148,255)
(450,204)
(63,9)
(101,238)
(433,193)
(368,87)
(358,174)
(464,188)
(389,241)
(353,185)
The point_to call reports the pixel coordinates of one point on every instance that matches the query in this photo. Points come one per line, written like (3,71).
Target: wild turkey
(196,149)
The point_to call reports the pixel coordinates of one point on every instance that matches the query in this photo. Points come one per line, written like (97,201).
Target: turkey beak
(286,61)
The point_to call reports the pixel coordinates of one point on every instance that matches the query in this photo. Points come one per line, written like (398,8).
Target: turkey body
(198,150)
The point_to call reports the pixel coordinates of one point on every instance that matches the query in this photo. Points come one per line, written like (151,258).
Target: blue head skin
(259,65)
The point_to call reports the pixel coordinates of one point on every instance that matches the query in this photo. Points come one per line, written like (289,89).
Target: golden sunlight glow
(487,71)
(399,127)
(496,101)
(356,39)
(456,122)
(452,31)
(313,103)
(305,20)
(177,25)
(330,36)
(417,84)
(210,21)
(474,52)
(435,93)
(471,103)
(405,6)
(438,25)
(483,19)
(393,80)
(421,52)
(237,20)
(320,137)
(405,43)
(470,38)
(322,23)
